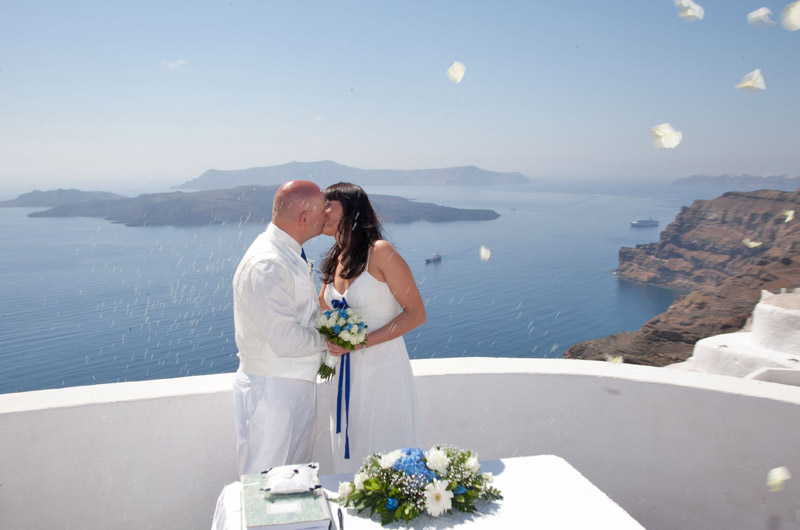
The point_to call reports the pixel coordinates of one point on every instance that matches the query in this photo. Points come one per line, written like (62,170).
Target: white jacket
(275,307)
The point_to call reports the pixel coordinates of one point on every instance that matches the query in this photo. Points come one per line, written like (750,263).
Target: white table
(540,492)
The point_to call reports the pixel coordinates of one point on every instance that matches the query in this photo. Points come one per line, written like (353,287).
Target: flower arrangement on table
(342,327)
(402,484)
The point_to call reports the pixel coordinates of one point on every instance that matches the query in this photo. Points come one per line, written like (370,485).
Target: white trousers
(275,419)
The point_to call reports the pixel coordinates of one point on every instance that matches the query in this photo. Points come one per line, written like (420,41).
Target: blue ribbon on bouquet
(344,381)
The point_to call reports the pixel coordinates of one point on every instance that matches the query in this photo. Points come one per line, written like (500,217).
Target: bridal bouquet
(404,483)
(343,328)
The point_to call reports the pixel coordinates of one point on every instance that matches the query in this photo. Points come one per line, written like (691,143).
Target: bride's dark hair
(359,227)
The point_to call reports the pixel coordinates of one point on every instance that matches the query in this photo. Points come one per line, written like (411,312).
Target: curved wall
(675,449)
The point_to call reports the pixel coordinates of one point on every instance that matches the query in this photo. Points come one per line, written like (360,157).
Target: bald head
(298,209)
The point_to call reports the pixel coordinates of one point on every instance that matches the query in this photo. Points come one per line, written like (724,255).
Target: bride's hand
(335,349)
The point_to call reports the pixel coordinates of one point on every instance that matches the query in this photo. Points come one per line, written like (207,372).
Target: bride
(364,271)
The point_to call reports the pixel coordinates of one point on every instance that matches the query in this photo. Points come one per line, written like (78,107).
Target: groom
(275,306)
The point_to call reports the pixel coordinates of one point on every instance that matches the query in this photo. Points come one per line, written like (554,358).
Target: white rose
(345,335)
(388,460)
(362,337)
(353,339)
(321,321)
(345,489)
(341,321)
(331,321)
(472,465)
(437,460)
(358,480)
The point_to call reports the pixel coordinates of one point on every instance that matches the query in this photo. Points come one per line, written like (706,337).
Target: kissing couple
(275,308)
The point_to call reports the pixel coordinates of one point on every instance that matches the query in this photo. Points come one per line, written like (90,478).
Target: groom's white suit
(274,310)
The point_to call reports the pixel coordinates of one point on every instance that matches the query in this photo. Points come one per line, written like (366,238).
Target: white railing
(675,449)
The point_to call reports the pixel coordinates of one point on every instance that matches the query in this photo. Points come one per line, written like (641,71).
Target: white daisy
(438,499)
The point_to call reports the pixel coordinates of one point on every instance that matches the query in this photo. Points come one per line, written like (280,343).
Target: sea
(85,301)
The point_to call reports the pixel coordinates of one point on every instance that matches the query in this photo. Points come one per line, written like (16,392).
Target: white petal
(456,72)
(485,253)
(776,478)
(789,215)
(760,17)
(665,136)
(689,10)
(751,244)
(790,18)
(752,82)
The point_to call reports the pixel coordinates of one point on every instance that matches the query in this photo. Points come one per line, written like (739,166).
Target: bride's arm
(389,266)
(323,306)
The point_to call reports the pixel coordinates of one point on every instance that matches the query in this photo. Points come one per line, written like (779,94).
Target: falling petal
(615,359)
(790,18)
(456,72)
(666,137)
(752,82)
(751,244)
(777,477)
(760,18)
(689,10)
(485,253)
(789,215)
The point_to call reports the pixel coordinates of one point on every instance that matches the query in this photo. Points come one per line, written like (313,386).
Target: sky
(142,96)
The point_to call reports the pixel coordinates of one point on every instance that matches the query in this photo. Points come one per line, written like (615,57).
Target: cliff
(670,337)
(246,204)
(713,240)
(725,251)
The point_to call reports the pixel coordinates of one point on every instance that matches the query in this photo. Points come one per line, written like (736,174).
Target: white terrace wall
(675,449)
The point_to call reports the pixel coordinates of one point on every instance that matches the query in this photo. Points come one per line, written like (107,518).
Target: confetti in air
(689,10)
(777,477)
(615,359)
(789,215)
(790,18)
(666,137)
(751,244)
(456,72)
(752,82)
(760,18)
(485,253)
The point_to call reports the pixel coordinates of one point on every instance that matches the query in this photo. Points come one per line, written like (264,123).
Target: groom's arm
(269,289)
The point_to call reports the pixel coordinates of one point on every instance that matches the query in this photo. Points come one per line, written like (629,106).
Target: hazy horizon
(144,97)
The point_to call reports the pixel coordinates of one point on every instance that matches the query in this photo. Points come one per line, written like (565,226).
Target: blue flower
(392,503)
(459,490)
(343,314)
(348,327)
(412,463)
(336,328)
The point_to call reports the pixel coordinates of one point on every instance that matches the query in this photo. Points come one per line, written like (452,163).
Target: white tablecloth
(540,492)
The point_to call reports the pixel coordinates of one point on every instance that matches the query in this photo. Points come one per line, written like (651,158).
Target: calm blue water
(84,301)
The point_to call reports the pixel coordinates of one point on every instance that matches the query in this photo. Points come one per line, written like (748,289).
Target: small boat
(643,223)
(433,259)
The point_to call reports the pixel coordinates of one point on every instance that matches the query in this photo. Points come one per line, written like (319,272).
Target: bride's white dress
(383,398)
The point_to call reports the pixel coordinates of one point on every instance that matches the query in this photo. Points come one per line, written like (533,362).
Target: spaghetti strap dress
(383,408)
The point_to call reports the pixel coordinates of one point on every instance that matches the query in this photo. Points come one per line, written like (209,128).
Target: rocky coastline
(723,252)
